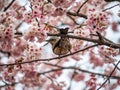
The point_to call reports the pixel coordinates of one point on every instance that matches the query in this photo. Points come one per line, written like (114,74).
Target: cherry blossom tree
(59,45)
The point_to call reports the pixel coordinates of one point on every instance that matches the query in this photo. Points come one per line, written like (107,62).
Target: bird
(60,46)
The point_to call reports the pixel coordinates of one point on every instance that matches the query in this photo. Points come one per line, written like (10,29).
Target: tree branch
(109,76)
(6,84)
(49,1)
(6,8)
(100,42)
(73,75)
(82,6)
(77,14)
(76,68)
(110,7)
(49,59)
(72,19)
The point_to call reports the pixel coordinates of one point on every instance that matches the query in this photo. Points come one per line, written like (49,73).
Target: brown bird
(60,46)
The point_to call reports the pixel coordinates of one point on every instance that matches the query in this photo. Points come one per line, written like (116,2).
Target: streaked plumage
(60,46)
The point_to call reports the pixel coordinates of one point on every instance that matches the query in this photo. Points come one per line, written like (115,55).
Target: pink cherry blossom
(97,21)
(32,30)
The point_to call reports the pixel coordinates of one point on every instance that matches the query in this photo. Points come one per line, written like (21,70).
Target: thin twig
(112,59)
(6,84)
(82,6)
(77,14)
(109,76)
(69,88)
(6,8)
(72,19)
(117,66)
(18,26)
(110,7)
(73,75)
(49,78)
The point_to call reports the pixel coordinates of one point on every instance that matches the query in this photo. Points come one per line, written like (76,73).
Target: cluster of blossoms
(78,44)
(6,37)
(10,41)
(31,75)
(18,47)
(33,52)
(62,3)
(109,51)
(103,55)
(24,49)
(92,83)
(97,21)
(54,8)
(108,54)
(96,60)
(35,32)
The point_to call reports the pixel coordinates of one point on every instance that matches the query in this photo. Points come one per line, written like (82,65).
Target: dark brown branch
(100,42)
(5,52)
(49,1)
(109,76)
(18,34)
(6,85)
(77,14)
(117,66)
(18,26)
(49,59)
(102,37)
(72,19)
(49,78)
(82,6)
(6,8)
(69,88)
(75,37)
(111,0)
(75,68)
